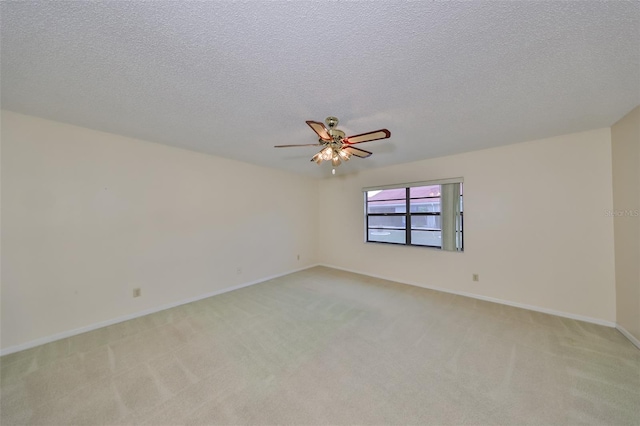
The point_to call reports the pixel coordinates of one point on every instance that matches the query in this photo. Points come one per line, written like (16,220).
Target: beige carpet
(329,347)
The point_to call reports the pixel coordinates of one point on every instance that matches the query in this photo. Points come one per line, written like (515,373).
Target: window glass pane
(387,236)
(424,191)
(388,206)
(426,222)
(424,205)
(388,222)
(387,194)
(426,238)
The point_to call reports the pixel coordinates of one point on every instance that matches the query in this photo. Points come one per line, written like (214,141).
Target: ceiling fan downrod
(336,134)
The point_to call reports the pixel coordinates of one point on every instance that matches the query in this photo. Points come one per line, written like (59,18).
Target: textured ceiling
(235,78)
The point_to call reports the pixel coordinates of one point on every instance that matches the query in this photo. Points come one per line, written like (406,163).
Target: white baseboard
(628,335)
(485,298)
(91,327)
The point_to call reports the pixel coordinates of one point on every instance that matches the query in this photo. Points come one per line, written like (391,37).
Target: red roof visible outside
(391,196)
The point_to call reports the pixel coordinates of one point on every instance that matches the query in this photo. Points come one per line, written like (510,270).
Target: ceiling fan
(337,147)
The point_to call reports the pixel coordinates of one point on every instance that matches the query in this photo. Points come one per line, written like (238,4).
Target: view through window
(427,215)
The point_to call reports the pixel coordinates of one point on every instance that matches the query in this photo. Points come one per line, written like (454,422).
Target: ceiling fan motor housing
(337,135)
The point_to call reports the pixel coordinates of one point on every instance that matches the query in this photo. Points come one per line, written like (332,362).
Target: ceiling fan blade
(306,144)
(368,137)
(320,130)
(357,152)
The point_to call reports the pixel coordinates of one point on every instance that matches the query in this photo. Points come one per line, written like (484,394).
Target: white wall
(625,140)
(87,216)
(535,225)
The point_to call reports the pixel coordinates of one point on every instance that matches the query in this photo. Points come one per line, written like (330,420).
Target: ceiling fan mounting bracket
(331,122)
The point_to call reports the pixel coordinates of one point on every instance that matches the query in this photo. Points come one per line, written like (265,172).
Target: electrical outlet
(298,257)
(476,277)
(239,270)
(137,292)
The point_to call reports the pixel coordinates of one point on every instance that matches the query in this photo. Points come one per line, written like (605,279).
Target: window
(426,214)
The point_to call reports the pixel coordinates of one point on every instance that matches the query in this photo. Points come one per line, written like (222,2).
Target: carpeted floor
(329,347)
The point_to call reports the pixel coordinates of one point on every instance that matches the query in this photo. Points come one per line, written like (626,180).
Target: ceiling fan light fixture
(327,153)
(344,155)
